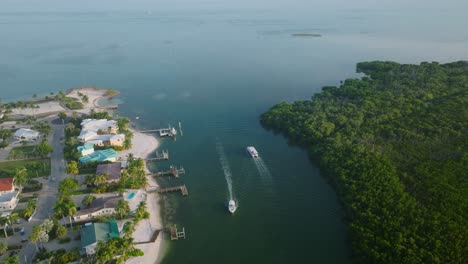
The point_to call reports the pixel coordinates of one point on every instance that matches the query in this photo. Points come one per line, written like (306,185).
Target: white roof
(97,124)
(26,133)
(94,138)
(86,134)
(6,197)
(95,142)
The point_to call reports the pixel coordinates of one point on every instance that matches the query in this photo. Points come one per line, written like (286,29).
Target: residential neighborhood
(65,189)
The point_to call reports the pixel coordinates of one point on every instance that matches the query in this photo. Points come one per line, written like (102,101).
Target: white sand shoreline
(142,146)
(45,108)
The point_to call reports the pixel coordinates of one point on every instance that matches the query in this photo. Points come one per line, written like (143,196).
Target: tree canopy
(394,144)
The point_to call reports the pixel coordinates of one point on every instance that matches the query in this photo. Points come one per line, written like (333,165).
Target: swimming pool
(130,196)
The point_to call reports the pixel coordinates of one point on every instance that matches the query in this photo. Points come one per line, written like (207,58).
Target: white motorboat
(232,206)
(252,151)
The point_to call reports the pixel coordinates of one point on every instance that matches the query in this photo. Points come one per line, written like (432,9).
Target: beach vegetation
(394,145)
(122,208)
(134,176)
(111,93)
(115,250)
(100,115)
(141,212)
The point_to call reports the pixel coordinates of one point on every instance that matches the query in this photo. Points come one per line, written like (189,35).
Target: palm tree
(100,179)
(122,208)
(36,235)
(128,229)
(89,179)
(4,223)
(12,218)
(3,248)
(130,157)
(21,177)
(72,168)
(59,209)
(29,210)
(88,200)
(70,212)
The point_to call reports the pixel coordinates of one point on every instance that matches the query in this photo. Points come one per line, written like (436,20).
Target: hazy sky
(107,5)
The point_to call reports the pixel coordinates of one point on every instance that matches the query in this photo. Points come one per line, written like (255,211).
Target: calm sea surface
(216,67)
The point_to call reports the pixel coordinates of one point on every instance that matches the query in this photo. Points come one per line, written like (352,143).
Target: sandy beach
(53,107)
(142,146)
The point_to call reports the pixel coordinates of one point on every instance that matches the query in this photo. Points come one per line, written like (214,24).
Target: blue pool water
(130,196)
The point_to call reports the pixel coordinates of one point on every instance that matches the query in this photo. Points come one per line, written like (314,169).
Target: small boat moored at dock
(252,151)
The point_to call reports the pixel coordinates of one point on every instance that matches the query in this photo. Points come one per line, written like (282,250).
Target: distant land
(394,144)
(305,35)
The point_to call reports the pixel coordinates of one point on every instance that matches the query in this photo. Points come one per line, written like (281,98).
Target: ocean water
(215,66)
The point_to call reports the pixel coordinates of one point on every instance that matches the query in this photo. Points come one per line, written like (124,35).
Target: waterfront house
(86,149)
(100,156)
(103,206)
(24,134)
(8,195)
(112,170)
(92,233)
(104,125)
(91,137)
(86,136)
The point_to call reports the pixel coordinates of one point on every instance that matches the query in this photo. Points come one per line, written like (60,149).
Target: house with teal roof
(92,233)
(86,149)
(100,156)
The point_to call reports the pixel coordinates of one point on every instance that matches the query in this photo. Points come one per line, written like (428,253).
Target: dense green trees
(72,168)
(394,144)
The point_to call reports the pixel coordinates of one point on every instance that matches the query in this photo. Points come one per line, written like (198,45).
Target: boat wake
(262,168)
(225,166)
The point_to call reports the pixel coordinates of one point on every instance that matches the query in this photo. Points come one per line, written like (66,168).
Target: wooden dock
(164,155)
(176,234)
(163,132)
(173,171)
(182,188)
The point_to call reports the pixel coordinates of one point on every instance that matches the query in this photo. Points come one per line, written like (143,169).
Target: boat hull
(252,152)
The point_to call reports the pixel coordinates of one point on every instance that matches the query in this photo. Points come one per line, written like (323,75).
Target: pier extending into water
(164,155)
(181,188)
(173,171)
(163,132)
(175,233)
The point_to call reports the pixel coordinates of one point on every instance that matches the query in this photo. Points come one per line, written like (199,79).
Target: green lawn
(35,167)
(23,152)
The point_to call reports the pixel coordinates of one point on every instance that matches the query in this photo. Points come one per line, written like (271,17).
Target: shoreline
(142,146)
(48,107)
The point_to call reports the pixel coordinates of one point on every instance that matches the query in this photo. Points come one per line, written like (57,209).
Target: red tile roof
(6,184)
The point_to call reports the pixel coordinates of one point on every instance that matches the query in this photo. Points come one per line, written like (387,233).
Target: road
(49,192)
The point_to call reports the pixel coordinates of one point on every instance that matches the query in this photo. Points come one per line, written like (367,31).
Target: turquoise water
(130,196)
(216,66)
